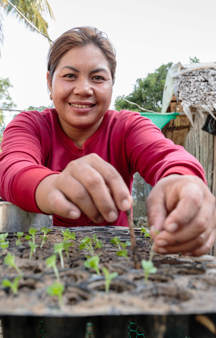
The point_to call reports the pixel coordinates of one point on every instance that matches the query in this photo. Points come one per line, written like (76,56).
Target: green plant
(45,231)
(12,285)
(4,245)
(19,235)
(145,232)
(10,261)
(51,263)
(3,237)
(93,263)
(68,235)
(56,289)
(33,248)
(31,236)
(122,251)
(58,248)
(108,278)
(86,244)
(148,268)
(97,242)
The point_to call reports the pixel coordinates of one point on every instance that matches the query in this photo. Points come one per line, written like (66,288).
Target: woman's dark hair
(78,37)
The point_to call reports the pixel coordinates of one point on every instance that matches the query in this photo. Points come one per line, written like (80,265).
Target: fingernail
(112,216)
(125,205)
(98,219)
(161,242)
(172,227)
(155,229)
(161,250)
(74,214)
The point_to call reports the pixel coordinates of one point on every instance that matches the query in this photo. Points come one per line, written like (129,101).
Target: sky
(145,35)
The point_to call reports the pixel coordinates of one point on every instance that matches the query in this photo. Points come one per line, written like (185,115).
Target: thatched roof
(194,85)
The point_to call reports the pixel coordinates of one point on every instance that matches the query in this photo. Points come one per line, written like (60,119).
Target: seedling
(44,236)
(12,285)
(67,246)
(31,236)
(10,261)
(93,263)
(108,278)
(33,248)
(123,252)
(148,268)
(86,244)
(68,235)
(51,263)
(4,245)
(19,235)
(58,248)
(3,237)
(97,242)
(56,289)
(145,232)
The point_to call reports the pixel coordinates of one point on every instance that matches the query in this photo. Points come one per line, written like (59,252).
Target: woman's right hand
(89,185)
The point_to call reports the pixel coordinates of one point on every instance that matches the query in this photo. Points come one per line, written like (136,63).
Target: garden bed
(181,285)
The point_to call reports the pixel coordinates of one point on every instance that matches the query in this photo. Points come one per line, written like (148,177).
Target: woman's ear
(49,81)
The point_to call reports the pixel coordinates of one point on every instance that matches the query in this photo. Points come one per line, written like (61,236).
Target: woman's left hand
(182,216)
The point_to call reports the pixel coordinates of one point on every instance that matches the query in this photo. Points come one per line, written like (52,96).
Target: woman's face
(81,89)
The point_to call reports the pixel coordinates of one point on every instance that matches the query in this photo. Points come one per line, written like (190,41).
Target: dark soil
(181,285)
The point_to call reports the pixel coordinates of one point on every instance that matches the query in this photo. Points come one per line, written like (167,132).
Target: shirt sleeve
(153,155)
(22,161)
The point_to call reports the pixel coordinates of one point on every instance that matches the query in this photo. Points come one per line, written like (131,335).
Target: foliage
(33,247)
(108,278)
(148,268)
(145,232)
(51,263)
(10,261)
(58,248)
(93,263)
(31,12)
(12,285)
(45,231)
(56,289)
(122,251)
(5,101)
(147,93)
(19,235)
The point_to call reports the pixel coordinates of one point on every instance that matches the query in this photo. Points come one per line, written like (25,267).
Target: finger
(206,247)
(75,192)
(117,186)
(186,209)
(185,247)
(156,211)
(61,206)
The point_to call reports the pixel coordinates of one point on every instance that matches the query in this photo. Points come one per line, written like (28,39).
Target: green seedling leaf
(51,263)
(32,232)
(10,261)
(122,253)
(44,237)
(28,237)
(4,245)
(19,235)
(58,248)
(86,244)
(148,268)
(97,242)
(68,235)
(33,248)
(67,246)
(145,232)
(116,241)
(3,237)
(93,263)
(56,289)
(12,285)
(108,278)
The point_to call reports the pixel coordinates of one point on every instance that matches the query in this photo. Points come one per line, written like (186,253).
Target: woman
(77,161)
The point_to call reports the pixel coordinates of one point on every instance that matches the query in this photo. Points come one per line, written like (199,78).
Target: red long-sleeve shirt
(35,146)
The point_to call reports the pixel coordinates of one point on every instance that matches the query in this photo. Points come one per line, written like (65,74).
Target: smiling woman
(76,161)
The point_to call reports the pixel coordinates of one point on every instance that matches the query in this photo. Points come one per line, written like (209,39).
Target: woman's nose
(83,87)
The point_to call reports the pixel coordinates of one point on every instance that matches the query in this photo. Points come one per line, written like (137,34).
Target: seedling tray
(181,285)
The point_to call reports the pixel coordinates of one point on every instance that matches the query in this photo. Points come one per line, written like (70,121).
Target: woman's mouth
(81,106)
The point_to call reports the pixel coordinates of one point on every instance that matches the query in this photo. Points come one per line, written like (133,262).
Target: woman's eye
(70,76)
(98,78)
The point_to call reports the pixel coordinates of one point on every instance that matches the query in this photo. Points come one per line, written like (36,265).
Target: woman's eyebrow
(99,70)
(71,68)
